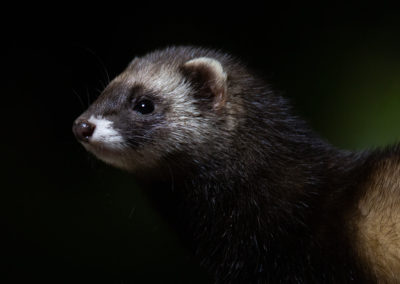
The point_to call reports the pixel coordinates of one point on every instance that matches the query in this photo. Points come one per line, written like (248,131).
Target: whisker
(131,212)
(88,95)
(80,99)
(98,93)
(99,90)
(101,64)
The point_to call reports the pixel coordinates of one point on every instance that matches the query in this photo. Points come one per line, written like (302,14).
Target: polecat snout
(265,199)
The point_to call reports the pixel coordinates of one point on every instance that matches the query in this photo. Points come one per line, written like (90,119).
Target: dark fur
(267,202)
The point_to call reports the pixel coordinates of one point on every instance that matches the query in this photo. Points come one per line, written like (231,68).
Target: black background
(67,218)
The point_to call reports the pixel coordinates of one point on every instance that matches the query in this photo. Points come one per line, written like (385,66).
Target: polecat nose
(83,130)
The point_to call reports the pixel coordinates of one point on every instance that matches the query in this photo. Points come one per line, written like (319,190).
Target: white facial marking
(104,133)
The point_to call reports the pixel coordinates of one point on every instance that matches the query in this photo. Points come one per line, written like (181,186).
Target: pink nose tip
(83,130)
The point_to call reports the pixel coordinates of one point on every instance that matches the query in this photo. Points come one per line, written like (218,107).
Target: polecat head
(168,102)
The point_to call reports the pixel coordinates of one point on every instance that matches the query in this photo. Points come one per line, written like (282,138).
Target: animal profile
(260,198)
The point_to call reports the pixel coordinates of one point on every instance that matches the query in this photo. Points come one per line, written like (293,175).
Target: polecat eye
(144,107)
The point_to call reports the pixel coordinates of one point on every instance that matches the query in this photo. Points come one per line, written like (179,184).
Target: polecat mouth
(98,148)
(109,155)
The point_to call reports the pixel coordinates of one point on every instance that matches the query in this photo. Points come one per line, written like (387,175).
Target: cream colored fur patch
(378,226)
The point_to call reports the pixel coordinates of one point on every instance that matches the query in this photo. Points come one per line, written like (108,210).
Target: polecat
(265,200)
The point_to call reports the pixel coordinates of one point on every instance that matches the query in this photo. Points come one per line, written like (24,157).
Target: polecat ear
(208,75)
